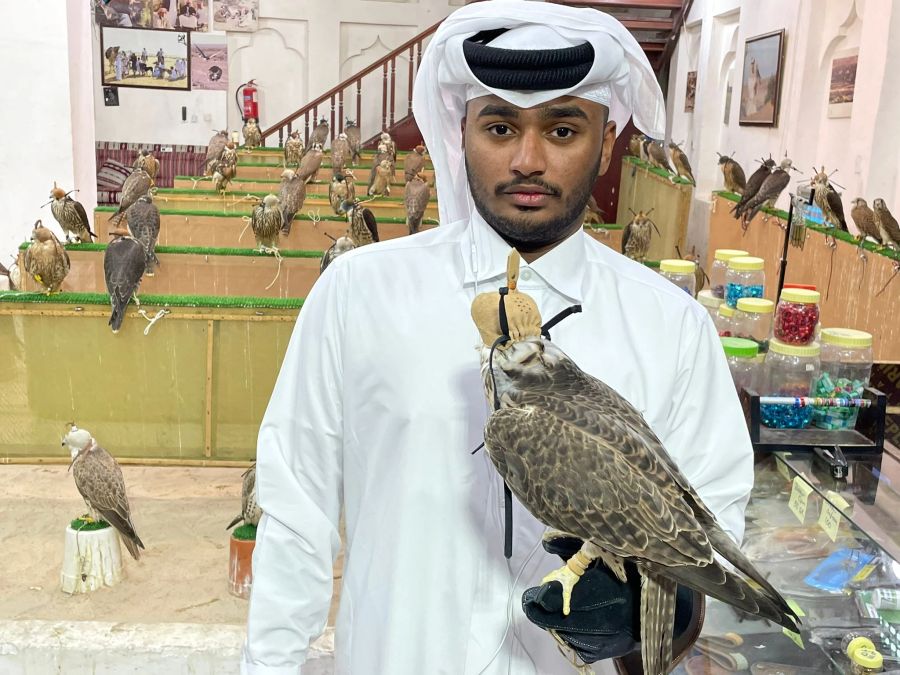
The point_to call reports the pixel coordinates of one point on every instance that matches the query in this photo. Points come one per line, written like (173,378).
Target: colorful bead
(840,388)
(795,323)
(734,292)
(785,416)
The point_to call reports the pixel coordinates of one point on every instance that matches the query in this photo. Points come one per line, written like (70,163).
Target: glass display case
(831,546)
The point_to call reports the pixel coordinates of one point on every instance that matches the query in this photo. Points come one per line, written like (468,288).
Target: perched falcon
(293,149)
(134,187)
(318,136)
(381,154)
(592,212)
(735,180)
(864,219)
(99,479)
(389,144)
(754,183)
(123,266)
(340,190)
(414,163)
(143,223)
(771,188)
(353,137)
(416,201)
(147,162)
(363,226)
(636,236)
(214,151)
(584,461)
(46,260)
(829,201)
(12,274)
(71,216)
(291,198)
(251,133)
(634,144)
(381,182)
(250,511)
(887,225)
(340,153)
(656,153)
(340,246)
(309,165)
(226,167)
(680,161)
(266,222)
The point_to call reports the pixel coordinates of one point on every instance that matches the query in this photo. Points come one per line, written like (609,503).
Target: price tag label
(830,517)
(783,468)
(800,498)
(795,637)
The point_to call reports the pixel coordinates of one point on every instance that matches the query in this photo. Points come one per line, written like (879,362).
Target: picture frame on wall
(145,58)
(843,83)
(690,91)
(761,81)
(163,14)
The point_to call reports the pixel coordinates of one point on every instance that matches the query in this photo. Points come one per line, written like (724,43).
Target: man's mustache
(535,182)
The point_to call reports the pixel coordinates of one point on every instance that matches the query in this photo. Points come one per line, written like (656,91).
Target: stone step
(276,156)
(266,185)
(273,171)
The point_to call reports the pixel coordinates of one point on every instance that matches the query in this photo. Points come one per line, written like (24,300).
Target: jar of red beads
(797,316)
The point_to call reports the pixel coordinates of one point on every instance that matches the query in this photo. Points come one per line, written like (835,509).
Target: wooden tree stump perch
(92,560)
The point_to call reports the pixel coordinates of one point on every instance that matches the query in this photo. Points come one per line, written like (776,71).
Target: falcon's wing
(837,208)
(626,235)
(737,174)
(371,223)
(99,479)
(82,215)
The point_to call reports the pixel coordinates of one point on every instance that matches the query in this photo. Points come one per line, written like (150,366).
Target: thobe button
(526,275)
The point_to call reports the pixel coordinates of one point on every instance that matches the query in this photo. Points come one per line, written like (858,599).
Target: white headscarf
(621,78)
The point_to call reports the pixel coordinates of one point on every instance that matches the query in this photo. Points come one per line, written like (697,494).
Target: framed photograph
(843,83)
(146,58)
(690,92)
(235,15)
(162,14)
(209,62)
(761,83)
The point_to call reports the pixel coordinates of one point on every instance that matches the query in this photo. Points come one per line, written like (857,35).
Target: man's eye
(563,132)
(499,129)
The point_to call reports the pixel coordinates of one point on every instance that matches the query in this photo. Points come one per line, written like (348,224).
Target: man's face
(531,170)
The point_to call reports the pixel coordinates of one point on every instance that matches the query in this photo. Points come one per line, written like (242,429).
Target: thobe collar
(485,254)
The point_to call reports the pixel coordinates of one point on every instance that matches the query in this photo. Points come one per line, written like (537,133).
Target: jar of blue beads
(791,371)
(745,278)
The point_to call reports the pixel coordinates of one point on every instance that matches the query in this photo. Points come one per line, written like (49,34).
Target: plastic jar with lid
(742,362)
(790,371)
(680,273)
(710,302)
(745,278)
(857,639)
(753,321)
(845,371)
(866,661)
(797,316)
(720,267)
(724,320)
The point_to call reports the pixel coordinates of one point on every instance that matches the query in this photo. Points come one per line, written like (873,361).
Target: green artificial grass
(211,301)
(201,250)
(245,532)
(80,525)
(213,193)
(630,159)
(223,214)
(266,180)
(363,153)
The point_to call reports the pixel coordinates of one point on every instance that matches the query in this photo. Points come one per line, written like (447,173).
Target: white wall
(864,148)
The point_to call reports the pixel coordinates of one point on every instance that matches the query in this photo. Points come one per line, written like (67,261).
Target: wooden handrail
(388,65)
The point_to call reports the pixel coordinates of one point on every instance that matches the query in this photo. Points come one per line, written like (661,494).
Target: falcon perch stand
(92,560)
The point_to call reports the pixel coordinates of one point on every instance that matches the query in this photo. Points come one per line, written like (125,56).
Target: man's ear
(609,140)
(462,129)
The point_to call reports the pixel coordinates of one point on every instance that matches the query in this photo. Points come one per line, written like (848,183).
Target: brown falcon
(680,161)
(340,190)
(291,197)
(309,165)
(592,212)
(735,180)
(250,511)
(143,223)
(71,216)
(124,263)
(636,236)
(46,260)
(656,154)
(340,246)
(318,136)
(634,145)
(353,137)
(414,162)
(864,219)
(146,161)
(416,200)
(226,167)
(363,226)
(381,182)
(381,154)
(340,153)
(134,187)
(99,479)
(251,133)
(887,225)
(266,222)
(214,151)
(771,188)
(293,149)
(829,201)
(584,461)
(388,142)
(757,178)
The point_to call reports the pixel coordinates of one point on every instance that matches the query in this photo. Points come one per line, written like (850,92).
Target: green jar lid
(739,347)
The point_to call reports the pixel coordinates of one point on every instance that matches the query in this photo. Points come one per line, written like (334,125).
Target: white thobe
(378,407)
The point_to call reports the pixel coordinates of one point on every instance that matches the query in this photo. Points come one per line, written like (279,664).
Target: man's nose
(529,158)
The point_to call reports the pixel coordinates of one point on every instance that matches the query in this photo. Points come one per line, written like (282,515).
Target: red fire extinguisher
(247,101)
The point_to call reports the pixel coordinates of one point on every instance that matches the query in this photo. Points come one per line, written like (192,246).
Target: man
(380,403)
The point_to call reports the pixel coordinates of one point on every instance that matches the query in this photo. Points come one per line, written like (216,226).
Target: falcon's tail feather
(133,545)
(657,619)
(125,528)
(234,522)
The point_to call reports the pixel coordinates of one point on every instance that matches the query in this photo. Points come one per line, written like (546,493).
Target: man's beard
(527,232)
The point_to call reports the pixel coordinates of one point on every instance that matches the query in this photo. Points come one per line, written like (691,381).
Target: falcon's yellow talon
(568,578)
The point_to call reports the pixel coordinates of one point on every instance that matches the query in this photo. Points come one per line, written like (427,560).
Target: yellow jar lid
(677,266)
(860,642)
(779,347)
(726,311)
(756,305)
(729,253)
(707,299)
(846,337)
(868,658)
(801,295)
(746,263)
